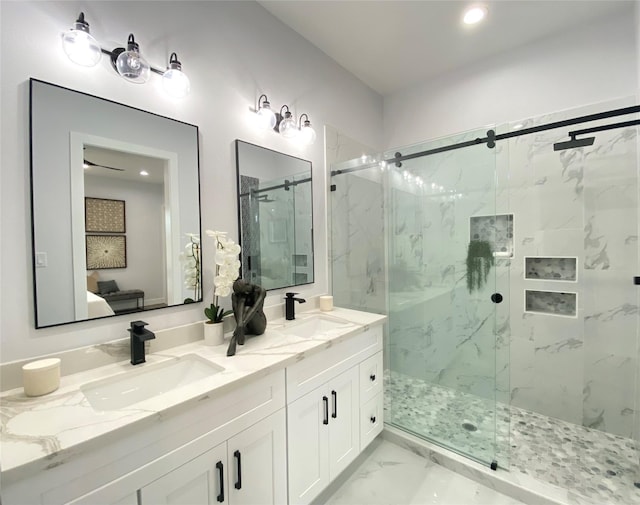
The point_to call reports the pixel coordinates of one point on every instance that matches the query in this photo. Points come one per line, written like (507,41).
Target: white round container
(41,377)
(326,303)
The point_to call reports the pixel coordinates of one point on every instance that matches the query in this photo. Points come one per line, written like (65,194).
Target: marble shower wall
(580,203)
(357,249)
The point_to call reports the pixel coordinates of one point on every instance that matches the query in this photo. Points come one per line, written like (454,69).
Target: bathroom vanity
(274,424)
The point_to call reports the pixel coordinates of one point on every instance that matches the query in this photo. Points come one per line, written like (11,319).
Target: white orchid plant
(191,264)
(227,270)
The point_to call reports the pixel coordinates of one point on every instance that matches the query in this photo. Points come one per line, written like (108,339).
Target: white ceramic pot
(213,333)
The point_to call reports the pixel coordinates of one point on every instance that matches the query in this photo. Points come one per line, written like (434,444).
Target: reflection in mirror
(275,210)
(114,193)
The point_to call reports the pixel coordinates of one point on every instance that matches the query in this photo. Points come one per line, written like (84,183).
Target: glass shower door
(446,243)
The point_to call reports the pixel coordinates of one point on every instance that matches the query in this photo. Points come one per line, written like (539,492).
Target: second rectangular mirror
(275,214)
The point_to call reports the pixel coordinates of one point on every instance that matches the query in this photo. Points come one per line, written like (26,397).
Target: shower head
(573,143)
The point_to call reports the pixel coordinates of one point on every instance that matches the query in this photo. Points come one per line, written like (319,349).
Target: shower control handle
(496,298)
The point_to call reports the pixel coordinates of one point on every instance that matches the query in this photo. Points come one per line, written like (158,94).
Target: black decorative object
(247,301)
(479,263)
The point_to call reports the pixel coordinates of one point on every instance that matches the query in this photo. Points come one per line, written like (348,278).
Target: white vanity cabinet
(325,412)
(175,460)
(248,469)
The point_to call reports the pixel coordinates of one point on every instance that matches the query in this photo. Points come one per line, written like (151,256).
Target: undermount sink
(120,391)
(314,326)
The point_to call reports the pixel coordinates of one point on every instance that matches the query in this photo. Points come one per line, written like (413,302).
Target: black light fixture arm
(261,102)
(306,121)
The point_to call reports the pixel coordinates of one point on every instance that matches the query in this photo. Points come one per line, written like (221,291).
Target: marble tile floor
(391,475)
(599,466)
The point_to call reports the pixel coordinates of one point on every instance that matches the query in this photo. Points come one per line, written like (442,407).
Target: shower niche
(497,230)
(550,268)
(551,303)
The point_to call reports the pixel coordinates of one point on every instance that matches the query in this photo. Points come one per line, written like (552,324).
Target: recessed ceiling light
(144,172)
(474,14)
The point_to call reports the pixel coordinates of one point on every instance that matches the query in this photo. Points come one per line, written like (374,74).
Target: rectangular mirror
(275,214)
(114,191)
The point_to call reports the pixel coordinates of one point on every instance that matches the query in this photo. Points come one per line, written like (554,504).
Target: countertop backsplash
(97,355)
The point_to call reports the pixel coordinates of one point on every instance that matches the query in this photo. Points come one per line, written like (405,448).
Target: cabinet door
(308,437)
(197,482)
(344,421)
(107,495)
(257,460)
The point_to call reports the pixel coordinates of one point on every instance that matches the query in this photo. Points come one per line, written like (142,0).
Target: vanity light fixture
(265,117)
(80,46)
(287,125)
(174,80)
(129,63)
(83,49)
(306,134)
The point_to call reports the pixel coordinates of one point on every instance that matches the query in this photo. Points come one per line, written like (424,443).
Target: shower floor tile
(594,464)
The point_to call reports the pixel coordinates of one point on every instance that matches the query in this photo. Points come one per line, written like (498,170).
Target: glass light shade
(176,83)
(80,46)
(287,127)
(131,65)
(474,15)
(307,135)
(265,118)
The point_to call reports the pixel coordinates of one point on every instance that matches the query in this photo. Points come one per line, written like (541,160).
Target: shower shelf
(551,303)
(551,268)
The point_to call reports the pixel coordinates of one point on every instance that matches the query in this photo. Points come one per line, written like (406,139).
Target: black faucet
(139,335)
(289,305)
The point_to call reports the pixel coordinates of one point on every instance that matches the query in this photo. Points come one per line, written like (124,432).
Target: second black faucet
(289,305)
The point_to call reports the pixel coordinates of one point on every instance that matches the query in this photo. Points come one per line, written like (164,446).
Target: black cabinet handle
(220,468)
(326,410)
(372,377)
(373,419)
(238,484)
(334,395)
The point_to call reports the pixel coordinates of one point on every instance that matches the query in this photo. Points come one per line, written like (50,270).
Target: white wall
(592,63)
(233,52)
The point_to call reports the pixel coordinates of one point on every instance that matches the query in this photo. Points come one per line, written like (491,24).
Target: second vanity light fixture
(284,122)
(81,48)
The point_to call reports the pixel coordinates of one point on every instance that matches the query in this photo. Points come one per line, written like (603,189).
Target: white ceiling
(124,166)
(394,44)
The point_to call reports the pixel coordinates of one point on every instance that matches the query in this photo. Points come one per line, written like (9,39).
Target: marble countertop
(39,432)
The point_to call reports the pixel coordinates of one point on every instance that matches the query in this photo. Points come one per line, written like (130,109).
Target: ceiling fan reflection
(88,163)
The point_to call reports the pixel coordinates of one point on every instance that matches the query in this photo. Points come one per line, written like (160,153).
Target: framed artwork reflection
(102,215)
(106,251)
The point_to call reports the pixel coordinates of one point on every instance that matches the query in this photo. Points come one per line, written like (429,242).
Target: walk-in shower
(505,259)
